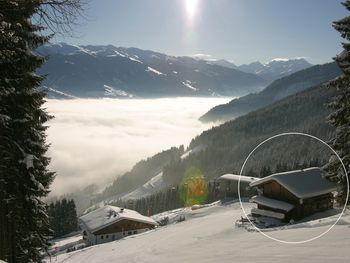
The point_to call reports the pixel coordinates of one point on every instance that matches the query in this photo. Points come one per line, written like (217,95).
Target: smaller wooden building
(293,194)
(228,185)
(110,223)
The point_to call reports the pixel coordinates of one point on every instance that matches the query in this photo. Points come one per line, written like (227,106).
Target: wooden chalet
(228,185)
(110,223)
(293,195)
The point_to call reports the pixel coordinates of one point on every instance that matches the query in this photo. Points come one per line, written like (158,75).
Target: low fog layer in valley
(93,141)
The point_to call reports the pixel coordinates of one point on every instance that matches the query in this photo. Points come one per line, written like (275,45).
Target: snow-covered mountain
(277,90)
(109,71)
(224,63)
(276,68)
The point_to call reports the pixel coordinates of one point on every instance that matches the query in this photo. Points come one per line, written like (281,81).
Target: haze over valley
(94,141)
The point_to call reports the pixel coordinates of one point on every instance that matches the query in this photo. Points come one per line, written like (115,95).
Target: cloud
(93,141)
(203,56)
(286,59)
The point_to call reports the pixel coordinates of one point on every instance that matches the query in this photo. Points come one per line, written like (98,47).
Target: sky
(241,31)
(94,141)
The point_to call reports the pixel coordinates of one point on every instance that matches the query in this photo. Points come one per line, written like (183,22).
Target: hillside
(210,235)
(279,89)
(226,146)
(140,175)
(117,72)
(222,149)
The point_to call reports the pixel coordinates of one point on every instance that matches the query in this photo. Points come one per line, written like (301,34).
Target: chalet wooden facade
(111,223)
(293,195)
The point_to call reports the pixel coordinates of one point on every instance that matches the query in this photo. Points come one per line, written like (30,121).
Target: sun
(191,8)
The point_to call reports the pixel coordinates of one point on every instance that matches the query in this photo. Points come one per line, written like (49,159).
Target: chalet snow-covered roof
(235,177)
(302,183)
(273,203)
(268,213)
(108,215)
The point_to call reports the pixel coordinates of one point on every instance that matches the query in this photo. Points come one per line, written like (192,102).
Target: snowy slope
(209,235)
(59,242)
(154,185)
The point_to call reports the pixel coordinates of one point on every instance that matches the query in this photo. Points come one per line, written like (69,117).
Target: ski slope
(209,235)
(152,186)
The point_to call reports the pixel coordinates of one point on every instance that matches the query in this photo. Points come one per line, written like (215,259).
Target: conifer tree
(23,169)
(24,177)
(340,106)
(63,217)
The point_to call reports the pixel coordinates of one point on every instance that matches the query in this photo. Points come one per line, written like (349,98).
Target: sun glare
(191,8)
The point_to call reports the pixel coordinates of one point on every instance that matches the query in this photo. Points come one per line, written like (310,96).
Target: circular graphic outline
(280,135)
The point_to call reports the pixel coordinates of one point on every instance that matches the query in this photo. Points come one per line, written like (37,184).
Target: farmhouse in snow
(293,195)
(228,185)
(111,223)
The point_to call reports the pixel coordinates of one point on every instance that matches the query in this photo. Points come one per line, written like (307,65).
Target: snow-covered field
(209,235)
(64,241)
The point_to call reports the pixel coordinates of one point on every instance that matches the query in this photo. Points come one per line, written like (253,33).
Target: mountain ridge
(90,71)
(275,68)
(279,89)
(272,70)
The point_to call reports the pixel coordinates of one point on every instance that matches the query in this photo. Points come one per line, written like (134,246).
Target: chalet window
(124,233)
(106,236)
(101,236)
(135,232)
(129,233)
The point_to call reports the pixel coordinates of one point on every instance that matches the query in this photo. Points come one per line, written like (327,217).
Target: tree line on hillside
(173,197)
(225,147)
(267,170)
(168,199)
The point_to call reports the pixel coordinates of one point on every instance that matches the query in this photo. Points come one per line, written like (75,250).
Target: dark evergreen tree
(24,177)
(72,217)
(265,171)
(340,116)
(63,217)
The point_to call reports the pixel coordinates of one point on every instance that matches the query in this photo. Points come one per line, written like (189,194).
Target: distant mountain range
(95,71)
(272,70)
(276,68)
(109,71)
(279,89)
